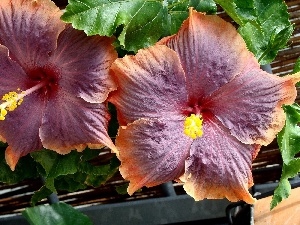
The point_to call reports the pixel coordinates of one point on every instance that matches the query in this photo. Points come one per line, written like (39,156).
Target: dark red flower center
(198,107)
(48,75)
(194,107)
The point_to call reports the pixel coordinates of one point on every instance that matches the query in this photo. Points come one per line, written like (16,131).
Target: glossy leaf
(289,137)
(142,22)
(56,164)
(71,172)
(208,6)
(264,25)
(139,18)
(281,192)
(292,169)
(175,20)
(178,11)
(58,214)
(288,140)
(87,175)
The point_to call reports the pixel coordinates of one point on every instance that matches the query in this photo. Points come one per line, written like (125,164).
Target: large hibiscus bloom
(53,79)
(196,108)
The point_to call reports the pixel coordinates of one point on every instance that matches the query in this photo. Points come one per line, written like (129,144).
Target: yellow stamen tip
(3,113)
(193,126)
(11,101)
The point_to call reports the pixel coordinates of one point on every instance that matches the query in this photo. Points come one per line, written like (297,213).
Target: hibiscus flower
(196,108)
(53,82)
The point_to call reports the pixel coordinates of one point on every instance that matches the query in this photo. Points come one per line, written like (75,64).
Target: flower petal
(12,76)
(29,29)
(219,165)
(150,84)
(152,152)
(211,52)
(21,129)
(250,105)
(71,123)
(85,62)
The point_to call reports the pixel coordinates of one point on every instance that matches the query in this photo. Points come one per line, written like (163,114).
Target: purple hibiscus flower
(54,81)
(196,108)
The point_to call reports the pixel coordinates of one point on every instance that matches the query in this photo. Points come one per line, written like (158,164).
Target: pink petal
(85,62)
(21,129)
(12,76)
(219,165)
(29,29)
(250,105)
(152,152)
(71,123)
(150,85)
(211,52)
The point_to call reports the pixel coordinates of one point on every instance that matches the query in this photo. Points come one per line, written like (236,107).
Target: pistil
(12,99)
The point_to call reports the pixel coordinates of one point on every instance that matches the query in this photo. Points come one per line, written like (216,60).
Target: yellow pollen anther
(3,113)
(193,126)
(11,101)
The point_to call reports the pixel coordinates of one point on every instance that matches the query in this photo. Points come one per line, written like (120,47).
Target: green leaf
(265,46)
(289,137)
(264,25)
(42,193)
(52,165)
(281,192)
(72,182)
(292,169)
(56,164)
(297,66)
(71,172)
(178,11)
(288,141)
(142,22)
(97,175)
(230,8)
(58,214)
(207,6)
(175,20)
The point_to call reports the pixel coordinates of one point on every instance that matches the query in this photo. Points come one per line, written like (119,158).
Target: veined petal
(71,123)
(20,129)
(29,29)
(211,52)
(151,84)
(12,76)
(219,165)
(152,152)
(250,105)
(85,62)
